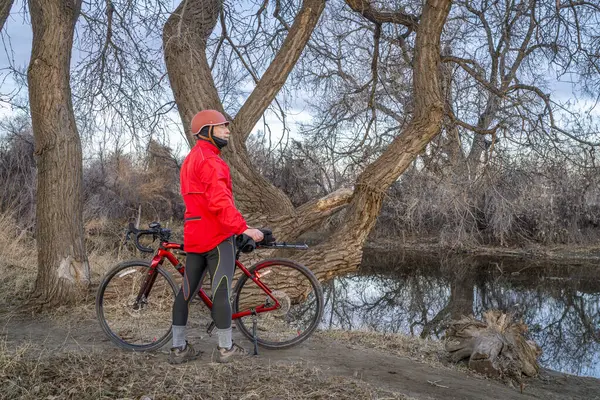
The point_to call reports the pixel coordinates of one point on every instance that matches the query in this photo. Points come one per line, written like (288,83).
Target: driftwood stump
(495,347)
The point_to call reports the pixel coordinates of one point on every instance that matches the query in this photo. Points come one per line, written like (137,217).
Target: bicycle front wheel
(300,298)
(131,322)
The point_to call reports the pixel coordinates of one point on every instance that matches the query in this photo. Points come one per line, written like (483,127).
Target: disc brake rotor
(284,303)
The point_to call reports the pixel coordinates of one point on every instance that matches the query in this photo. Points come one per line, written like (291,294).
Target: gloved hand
(268,237)
(245,243)
(255,234)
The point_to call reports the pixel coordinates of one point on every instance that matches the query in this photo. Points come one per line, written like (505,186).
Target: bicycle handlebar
(155,230)
(283,245)
(244,243)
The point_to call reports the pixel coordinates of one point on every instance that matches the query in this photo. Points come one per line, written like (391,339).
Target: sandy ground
(334,356)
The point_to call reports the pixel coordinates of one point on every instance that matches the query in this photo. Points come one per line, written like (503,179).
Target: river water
(408,293)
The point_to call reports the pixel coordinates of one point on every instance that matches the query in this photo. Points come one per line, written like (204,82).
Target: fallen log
(495,347)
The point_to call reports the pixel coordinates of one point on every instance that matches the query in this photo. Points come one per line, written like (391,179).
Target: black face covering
(220,143)
(207,134)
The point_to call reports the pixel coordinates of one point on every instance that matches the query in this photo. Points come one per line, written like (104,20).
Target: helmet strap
(210,135)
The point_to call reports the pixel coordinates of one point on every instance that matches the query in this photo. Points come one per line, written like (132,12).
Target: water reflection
(409,293)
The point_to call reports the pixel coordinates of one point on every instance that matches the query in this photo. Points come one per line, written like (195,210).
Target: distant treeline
(513,204)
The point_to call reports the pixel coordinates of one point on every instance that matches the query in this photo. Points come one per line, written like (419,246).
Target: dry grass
(35,372)
(17,261)
(31,373)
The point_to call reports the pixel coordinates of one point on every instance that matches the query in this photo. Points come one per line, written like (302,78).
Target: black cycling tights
(221,264)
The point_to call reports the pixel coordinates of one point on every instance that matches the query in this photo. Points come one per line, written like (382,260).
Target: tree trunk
(343,251)
(63,270)
(478,145)
(5,6)
(184,39)
(451,146)
(495,347)
(184,42)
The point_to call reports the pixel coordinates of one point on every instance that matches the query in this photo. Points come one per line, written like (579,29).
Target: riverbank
(569,254)
(62,357)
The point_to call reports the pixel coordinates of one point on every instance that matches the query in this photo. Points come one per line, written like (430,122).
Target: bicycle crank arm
(210,328)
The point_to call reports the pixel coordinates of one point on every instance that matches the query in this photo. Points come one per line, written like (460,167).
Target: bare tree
(504,56)
(63,269)
(185,39)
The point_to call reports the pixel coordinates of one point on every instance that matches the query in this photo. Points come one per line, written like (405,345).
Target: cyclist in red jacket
(210,225)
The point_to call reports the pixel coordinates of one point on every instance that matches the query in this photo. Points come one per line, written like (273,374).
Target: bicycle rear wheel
(301,303)
(142,325)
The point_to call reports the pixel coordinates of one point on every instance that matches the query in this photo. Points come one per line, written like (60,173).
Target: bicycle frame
(164,252)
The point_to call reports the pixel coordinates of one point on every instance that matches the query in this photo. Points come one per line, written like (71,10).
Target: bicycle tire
(165,301)
(277,283)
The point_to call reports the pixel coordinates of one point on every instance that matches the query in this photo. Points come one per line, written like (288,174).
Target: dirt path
(334,357)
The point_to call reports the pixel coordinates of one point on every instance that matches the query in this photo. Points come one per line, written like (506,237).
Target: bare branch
(374,79)
(276,74)
(470,127)
(365,8)
(547,102)
(477,75)
(582,3)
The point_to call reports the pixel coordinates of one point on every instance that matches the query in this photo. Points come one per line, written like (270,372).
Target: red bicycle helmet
(207,118)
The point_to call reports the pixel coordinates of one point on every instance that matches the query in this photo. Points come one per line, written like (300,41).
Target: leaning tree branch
(225,36)
(312,213)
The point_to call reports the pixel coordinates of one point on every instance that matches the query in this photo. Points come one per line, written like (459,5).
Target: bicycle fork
(145,288)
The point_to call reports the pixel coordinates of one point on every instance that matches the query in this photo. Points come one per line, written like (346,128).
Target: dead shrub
(18,261)
(119,186)
(18,174)
(509,205)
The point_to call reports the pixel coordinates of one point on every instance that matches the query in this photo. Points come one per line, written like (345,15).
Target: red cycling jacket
(210,214)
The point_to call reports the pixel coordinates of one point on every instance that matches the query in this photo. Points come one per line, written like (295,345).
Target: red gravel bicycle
(276,303)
